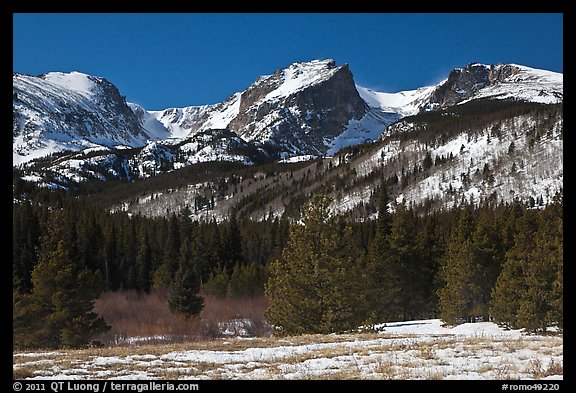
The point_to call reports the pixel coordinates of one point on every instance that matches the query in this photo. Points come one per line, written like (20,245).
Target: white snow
(422,349)
(302,75)
(64,94)
(530,84)
(437,327)
(77,82)
(223,116)
(405,103)
(55,92)
(155,128)
(306,157)
(179,122)
(368,128)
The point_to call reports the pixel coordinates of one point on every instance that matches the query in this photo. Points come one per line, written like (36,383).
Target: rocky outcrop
(463,83)
(70,111)
(286,116)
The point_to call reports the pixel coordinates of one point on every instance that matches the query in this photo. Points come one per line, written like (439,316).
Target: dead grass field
(350,356)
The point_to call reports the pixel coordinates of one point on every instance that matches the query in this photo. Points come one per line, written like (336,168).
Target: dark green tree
(313,287)
(462,297)
(217,284)
(184,295)
(529,291)
(172,246)
(144,263)
(58,311)
(232,244)
(511,286)
(427,161)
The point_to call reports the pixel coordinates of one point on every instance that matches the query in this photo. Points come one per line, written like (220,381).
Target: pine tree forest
(323,273)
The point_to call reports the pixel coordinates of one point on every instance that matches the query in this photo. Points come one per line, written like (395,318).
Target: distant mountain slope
(69,111)
(480,151)
(73,126)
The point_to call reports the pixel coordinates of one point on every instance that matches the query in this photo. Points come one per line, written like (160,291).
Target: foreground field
(407,350)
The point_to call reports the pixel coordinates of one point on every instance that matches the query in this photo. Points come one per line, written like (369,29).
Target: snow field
(405,350)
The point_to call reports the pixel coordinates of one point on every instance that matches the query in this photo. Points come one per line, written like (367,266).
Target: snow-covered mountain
(502,81)
(295,111)
(70,112)
(179,122)
(307,109)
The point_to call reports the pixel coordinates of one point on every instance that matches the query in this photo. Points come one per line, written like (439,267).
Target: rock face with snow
(296,110)
(69,111)
(307,109)
(502,81)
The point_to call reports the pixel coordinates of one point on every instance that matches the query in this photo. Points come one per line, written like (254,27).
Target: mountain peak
(497,81)
(61,111)
(75,81)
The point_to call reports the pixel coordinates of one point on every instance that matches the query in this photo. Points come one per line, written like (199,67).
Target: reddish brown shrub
(145,318)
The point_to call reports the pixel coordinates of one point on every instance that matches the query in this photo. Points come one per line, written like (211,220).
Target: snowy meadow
(404,350)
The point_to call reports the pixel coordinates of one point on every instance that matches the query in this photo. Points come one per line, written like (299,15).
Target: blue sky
(174,60)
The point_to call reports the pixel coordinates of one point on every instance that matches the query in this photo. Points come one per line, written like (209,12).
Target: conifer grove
(322,273)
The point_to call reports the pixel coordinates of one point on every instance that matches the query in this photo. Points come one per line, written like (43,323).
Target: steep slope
(479,151)
(84,128)
(297,110)
(179,121)
(69,111)
(502,81)
(404,103)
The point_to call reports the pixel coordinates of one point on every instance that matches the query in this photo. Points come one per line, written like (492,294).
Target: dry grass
(427,352)
(348,356)
(539,371)
(23,372)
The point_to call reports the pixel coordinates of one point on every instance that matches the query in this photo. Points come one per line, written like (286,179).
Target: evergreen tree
(217,284)
(144,264)
(528,293)
(511,286)
(184,295)
(312,288)
(172,246)
(381,282)
(247,280)
(467,272)
(58,311)
(384,220)
(111,259)
(232,244)
(398,274)
(429,251)
(25,239)
(427,161)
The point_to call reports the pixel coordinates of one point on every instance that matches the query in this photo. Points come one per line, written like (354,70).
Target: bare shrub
(427,352)
(503,372)
(554,369)
(385,368)
(140,318)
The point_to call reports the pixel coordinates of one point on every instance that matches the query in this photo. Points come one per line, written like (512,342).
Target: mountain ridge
(309,109)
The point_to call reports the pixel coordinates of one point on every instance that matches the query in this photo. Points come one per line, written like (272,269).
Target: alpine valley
(486,132)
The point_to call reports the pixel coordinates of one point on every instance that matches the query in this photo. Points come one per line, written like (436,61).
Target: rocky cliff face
(307,109)
(69,111)
(296,110)
(500,81)
(462,83)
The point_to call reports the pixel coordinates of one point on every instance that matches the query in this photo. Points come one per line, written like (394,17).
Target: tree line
(500,262)
(490,263)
